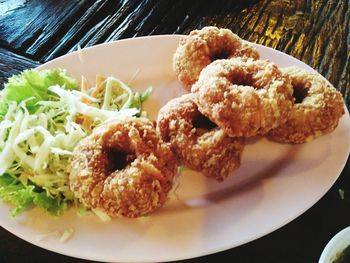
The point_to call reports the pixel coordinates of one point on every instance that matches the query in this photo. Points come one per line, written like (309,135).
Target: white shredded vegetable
(66,235)
(75,106)
(101,215)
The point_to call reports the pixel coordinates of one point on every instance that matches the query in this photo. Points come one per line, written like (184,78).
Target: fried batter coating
(123,168)
(197,142)
(317,110)
(204,46)
(245,97)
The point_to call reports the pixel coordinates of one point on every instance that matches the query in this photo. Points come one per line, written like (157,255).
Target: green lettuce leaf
(34,83)
(24,196)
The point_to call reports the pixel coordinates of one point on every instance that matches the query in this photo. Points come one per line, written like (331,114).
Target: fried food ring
(197,142)
(202,47)
(245,97)
(317,109)
(123,168)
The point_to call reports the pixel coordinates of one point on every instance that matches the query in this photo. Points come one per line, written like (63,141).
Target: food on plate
(112,94)
(245,97)
(317,109)
(61,144)
(123,168)
(43,116)
(204,46)
(196,141)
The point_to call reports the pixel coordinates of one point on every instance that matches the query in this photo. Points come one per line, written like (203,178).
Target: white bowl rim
(338,242)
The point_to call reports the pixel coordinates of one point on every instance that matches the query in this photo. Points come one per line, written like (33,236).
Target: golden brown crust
(202,47)
(201,148)
(317,114)
(245,97)
(131,191)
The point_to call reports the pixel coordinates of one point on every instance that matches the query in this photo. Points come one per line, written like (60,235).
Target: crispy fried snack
(245,97)
(197,142)
(317,110)
(123,168)
(204,46)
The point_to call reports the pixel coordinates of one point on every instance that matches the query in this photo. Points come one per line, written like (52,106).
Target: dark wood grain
(84,29)
(37,25)
(314,31)
(11,63)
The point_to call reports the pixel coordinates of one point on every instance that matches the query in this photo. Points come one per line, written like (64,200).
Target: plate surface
(275,184)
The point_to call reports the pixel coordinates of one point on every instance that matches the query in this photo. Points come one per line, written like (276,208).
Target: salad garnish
(43,115)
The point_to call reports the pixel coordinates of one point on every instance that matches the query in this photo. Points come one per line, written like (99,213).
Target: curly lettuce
(34,83)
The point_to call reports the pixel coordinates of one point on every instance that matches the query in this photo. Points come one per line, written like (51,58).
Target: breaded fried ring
(245,97)
(317,110)
(198,143)
(204,46)
(123,168)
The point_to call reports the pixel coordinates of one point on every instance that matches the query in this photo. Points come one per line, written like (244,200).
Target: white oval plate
(275,184)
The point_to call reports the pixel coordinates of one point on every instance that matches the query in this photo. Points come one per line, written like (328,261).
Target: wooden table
(316,32)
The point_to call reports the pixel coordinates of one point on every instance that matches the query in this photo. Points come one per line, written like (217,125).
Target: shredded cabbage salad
(43,115)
